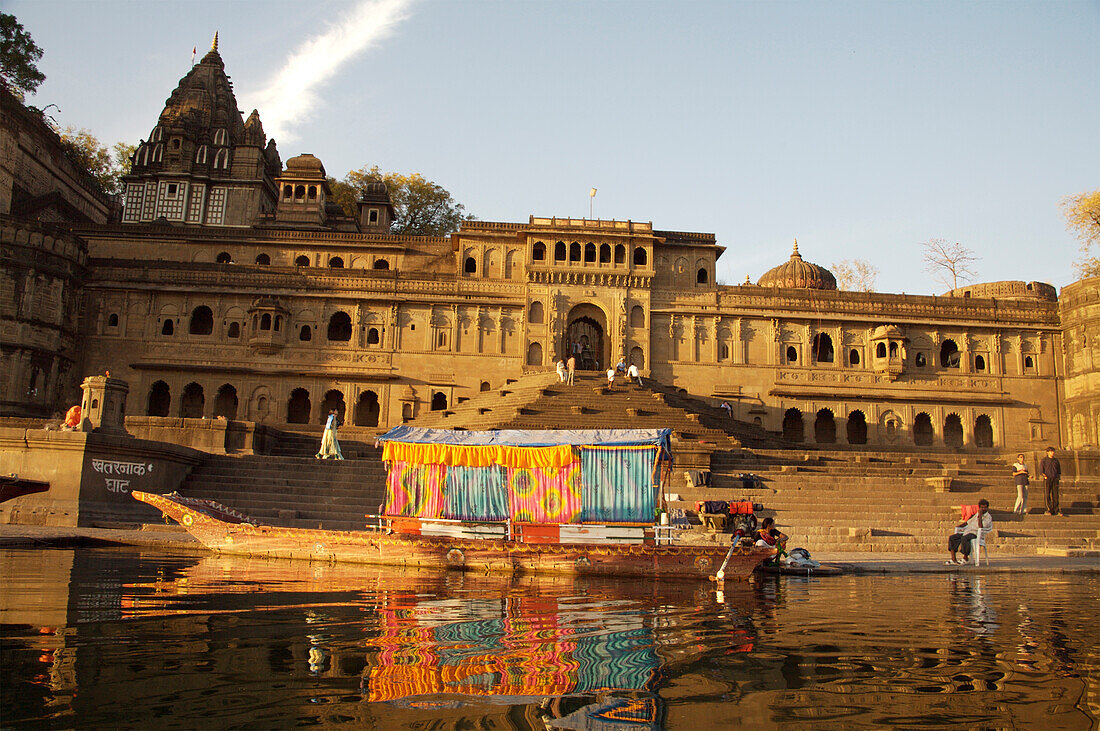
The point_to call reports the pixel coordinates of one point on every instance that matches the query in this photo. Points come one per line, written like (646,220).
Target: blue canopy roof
(530,437)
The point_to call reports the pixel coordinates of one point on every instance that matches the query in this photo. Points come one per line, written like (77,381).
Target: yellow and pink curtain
(416,490)
(545,494)
(556,456)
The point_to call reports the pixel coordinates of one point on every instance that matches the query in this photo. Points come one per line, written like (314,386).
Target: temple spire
(214,45)
(795,252)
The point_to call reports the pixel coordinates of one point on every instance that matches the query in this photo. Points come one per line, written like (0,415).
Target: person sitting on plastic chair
(975,528)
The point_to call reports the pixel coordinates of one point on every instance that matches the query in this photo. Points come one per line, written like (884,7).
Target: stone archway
(333,399)
(586,337)
(160,398)
(298,407)
(192,402)
(366,411)
(793,427)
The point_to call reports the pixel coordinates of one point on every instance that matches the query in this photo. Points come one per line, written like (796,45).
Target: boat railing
(526,531)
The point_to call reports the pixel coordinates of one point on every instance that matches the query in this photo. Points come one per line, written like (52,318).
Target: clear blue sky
(861,128)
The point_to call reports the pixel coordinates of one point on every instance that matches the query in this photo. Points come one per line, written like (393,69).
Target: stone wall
(41,280)
(91,475)
(1080,309)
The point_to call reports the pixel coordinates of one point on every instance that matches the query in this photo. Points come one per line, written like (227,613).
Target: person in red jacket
(769,535)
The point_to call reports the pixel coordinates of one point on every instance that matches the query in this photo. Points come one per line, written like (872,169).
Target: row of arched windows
(589,253)
(153,153)
(299,193)
(192,404)
(335,262)
(922,434)
(950,357)
(202,323)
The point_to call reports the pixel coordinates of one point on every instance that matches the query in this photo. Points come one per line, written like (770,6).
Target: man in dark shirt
(1050,469)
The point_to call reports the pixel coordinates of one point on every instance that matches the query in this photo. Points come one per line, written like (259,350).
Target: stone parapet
(91,475)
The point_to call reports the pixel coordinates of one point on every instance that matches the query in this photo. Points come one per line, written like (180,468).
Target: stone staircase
(826,499)
(885,502)
(541,402)
(297,492)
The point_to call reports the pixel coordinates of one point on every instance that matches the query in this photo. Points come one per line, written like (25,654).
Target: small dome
(304,161)
(376,187)
(888,332)
(798,274)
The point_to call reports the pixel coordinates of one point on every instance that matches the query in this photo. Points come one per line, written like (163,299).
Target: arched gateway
(585,337)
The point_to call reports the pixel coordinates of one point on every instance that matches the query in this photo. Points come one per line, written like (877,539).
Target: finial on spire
(795,252)
(214,45)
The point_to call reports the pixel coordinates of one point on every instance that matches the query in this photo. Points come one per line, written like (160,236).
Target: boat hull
(481,555)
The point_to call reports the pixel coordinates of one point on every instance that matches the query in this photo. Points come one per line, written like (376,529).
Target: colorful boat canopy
(546,476)
(547,448)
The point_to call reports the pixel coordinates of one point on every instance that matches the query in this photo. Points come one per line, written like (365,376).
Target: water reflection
(124,638)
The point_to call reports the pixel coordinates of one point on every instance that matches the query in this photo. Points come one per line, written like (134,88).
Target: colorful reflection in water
(129,639)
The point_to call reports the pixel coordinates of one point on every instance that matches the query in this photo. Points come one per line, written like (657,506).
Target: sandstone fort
(226,287)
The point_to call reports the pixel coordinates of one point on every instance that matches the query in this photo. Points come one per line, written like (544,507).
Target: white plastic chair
(978,544)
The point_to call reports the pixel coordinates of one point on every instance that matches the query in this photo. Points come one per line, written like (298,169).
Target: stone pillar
(103,405)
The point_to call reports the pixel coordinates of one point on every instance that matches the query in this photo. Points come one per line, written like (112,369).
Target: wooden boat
(12,487)
(226,534)
(578,502)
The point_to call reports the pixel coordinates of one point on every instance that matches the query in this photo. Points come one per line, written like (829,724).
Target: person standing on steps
(1019,473)
(1050,469)
(571,369)
(330,445)
(560,368)
(610,379)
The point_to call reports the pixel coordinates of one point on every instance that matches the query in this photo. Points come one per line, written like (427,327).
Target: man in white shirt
(633,375)
(610,378)
(961,540)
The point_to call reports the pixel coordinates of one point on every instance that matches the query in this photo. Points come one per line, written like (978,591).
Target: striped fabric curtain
(545,494)
(476,493)
(415,490)
(618,484)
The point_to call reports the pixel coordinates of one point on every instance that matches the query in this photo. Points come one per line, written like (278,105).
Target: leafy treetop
(421,207)
(18,54)
(106,166)
(1082,212)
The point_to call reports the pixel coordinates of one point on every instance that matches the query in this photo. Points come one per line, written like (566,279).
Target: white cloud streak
(291,95)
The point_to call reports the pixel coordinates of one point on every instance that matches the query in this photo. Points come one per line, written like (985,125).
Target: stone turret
(375,209)
(203,163)
(303,193)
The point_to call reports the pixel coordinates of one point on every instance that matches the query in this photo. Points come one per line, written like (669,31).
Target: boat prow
(12,486)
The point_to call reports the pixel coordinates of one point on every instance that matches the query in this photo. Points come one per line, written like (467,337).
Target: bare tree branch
(949,263)
(854,275)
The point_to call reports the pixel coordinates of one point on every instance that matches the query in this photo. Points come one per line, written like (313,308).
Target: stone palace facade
(229,286)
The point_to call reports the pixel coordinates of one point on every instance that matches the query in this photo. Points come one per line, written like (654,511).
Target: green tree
(123,154)
(421,207)
(1082,212)
(18,54)
(854,275)
(105,166)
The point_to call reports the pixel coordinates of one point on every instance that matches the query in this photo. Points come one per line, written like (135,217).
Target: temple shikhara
(226,283)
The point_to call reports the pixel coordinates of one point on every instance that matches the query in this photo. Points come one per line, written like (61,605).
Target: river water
(123,638)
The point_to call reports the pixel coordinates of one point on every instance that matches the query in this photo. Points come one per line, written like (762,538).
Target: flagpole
(591,197)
